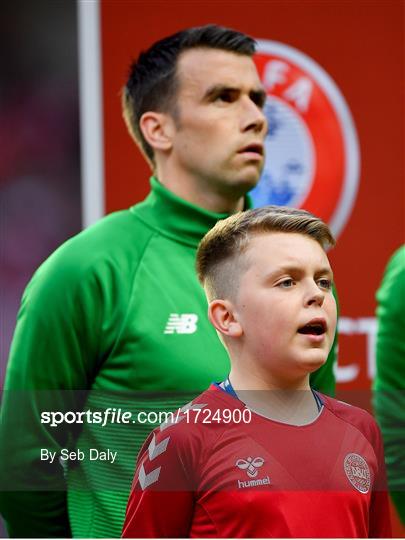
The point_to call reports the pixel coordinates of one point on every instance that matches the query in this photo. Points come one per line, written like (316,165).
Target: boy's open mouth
(316,327)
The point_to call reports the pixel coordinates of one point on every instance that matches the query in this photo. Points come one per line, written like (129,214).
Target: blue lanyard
(318,400)
(229,388)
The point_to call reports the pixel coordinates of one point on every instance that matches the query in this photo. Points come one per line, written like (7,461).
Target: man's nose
(253,117)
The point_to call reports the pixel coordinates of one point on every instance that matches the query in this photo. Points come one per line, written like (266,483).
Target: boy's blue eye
(286,283)
(325,283)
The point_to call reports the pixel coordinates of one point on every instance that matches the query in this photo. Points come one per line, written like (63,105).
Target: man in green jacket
(115,321)
(389,384)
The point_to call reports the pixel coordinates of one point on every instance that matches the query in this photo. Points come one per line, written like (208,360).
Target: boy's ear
(158,129)
(222,315)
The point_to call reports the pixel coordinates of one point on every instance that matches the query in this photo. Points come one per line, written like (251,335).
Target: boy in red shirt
(262,454)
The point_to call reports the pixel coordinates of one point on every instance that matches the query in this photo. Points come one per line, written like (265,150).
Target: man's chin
(245,184)
(235,189)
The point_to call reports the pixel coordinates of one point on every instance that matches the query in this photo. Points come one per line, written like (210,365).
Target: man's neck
(213,201)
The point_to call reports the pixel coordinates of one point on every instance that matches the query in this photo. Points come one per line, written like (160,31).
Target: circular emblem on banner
(357,472)
(312,151)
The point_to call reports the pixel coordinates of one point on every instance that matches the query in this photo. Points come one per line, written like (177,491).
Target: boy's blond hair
(219,262)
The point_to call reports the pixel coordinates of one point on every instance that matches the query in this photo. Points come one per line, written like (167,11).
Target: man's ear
(222,315)
(158,129)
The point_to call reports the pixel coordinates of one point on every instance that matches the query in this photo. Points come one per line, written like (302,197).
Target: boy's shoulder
(357,417)
(173,451)
(192,425)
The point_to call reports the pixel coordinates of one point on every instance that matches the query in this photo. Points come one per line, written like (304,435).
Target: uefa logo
(312,151)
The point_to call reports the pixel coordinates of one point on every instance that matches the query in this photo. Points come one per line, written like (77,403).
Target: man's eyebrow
(217,89)
(257,94)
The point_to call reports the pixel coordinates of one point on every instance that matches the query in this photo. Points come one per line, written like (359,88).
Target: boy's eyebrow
(325,270)
(292,269)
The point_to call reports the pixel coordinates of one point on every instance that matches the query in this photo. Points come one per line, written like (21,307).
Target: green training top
(114,318)
(389,384)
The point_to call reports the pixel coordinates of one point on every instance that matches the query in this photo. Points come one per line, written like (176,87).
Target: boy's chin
(314,361)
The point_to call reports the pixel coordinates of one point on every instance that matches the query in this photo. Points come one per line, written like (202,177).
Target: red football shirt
(203,476)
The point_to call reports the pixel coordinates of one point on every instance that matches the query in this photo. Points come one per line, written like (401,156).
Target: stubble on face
(210,132)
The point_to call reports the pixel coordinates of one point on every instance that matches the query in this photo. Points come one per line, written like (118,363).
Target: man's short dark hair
(152,82)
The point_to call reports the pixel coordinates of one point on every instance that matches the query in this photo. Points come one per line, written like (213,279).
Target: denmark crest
(312,151)
(357,472)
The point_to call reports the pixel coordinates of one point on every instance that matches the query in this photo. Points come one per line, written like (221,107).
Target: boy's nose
(315,297)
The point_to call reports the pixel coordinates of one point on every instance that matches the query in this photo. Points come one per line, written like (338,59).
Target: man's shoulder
(115,243)
(390,295)
(397,260)
(117,232)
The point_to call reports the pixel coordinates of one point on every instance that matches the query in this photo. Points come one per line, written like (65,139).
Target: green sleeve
(55,350)
(323,379)
(389,384)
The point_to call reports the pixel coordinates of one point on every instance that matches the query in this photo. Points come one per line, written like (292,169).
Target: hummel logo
(251,465)
(185,323)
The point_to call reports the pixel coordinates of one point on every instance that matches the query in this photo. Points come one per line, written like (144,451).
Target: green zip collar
(175,217)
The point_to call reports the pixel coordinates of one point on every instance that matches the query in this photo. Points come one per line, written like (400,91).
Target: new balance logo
(184,323)
(251,465)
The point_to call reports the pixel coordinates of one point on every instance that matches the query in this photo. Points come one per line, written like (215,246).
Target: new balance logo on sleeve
(184,323)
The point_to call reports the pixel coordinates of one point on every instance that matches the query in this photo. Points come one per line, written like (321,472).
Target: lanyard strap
(229,388)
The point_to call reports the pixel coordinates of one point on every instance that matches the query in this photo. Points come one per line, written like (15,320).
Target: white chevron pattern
(179,418)
(155,450)
(147,480)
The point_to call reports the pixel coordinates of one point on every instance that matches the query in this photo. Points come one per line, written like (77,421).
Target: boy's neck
(292,403)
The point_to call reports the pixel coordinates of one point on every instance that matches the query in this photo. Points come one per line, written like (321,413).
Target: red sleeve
(380,522)
(161,500)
